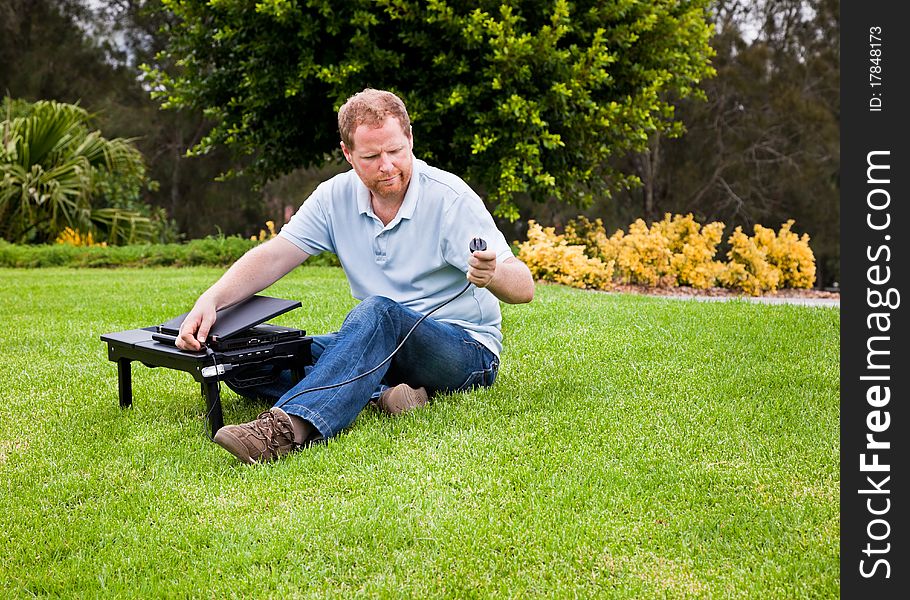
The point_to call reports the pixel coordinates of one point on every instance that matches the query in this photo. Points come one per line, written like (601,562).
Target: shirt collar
(363,197)
(410,198)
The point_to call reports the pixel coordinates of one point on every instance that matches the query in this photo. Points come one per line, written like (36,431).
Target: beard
(393,189)
(389,187)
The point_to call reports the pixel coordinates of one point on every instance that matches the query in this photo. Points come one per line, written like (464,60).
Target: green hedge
(211,251)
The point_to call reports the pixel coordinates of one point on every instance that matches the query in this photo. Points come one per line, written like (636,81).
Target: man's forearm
(512,282)
(254,271)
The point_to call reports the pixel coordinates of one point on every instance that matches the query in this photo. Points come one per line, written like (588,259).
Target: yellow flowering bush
(768,260)
(693,248)
(675,251)
(265,235)
(791,255)
(550,257)
(748,268)
(643,256)
(593,237)
(74,238)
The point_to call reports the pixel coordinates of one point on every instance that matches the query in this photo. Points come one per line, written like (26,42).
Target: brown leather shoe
(271,435)
(402,398)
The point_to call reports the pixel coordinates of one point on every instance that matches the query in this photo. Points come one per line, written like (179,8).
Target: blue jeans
(440,357)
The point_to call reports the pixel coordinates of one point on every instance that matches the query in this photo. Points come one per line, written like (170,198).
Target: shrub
(693,248)
(675,251)
(267,233)
(74,238)
(768,261)
(55,172)
(642,256)
(592,236)
(218,251)
(791,255)
(748,268)
(550,257)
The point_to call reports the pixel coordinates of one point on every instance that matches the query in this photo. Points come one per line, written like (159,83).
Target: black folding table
(208,368)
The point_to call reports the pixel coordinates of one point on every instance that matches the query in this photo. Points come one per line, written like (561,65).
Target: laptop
(236,326)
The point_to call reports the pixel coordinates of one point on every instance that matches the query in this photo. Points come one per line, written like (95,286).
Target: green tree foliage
(44,53)
(55,172)
(523,98)
(85,53)
(765,147)
(189,191)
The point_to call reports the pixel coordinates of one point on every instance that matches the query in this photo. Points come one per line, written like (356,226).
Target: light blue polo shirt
(420,258)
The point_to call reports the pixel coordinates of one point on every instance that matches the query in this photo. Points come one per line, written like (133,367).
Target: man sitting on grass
(401,230)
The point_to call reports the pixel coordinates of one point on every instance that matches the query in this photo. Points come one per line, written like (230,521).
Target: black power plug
(478,245)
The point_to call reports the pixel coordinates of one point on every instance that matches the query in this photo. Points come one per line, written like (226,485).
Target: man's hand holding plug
(481,267)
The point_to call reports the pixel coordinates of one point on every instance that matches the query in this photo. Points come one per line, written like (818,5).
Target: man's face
(382,158)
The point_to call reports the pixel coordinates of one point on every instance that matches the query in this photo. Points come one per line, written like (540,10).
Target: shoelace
(267,429)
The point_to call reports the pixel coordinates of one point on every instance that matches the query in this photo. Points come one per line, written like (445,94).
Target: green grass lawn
(633,447)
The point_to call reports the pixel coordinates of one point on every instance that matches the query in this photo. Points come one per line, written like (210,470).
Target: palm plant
(51,166)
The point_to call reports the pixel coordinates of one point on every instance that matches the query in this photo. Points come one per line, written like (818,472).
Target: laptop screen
(232,320)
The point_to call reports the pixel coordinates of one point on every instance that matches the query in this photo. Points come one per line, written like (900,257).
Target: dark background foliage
(762,147)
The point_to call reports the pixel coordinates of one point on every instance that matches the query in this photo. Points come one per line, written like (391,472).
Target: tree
(86,53)
(52,168)
(45,54)
(189,187)
(523,98)
(765,148)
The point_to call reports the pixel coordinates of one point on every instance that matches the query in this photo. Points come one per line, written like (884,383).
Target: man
(401,230)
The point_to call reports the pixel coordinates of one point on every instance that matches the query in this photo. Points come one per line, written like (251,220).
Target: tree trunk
(648,168)
(175,171)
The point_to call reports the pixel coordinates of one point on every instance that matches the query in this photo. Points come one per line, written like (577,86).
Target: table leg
(213,405)
(125,382)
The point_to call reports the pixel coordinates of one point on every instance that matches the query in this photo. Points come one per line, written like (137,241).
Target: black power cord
(476,245)
(208,413)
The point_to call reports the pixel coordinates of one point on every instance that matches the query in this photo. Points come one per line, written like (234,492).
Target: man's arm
(253,272)
(510,281)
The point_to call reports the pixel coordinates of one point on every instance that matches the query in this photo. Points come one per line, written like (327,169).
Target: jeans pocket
(493,372)
(483,377)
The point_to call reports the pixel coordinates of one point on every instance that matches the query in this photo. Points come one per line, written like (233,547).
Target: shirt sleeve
(310,228)
(466,219)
